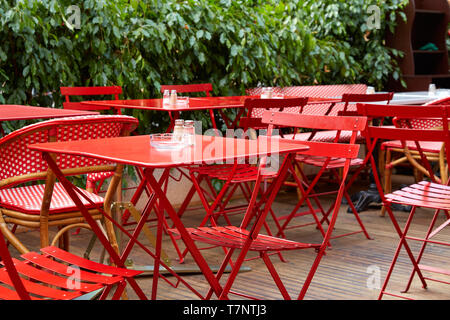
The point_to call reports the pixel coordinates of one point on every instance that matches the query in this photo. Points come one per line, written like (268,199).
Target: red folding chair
(426,194)
(334,166)
(94,181)
(59,275)
(192,88)
(247,236)
(392,153)
(217,204)
(68,92)
(347,106)
(43,206)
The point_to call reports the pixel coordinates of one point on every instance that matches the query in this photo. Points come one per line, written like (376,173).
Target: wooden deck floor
(347,272)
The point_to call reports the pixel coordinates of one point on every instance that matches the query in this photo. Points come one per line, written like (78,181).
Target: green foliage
(233,44)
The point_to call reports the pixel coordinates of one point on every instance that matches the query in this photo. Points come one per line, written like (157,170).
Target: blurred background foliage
(141,44)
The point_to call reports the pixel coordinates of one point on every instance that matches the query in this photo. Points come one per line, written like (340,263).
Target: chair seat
(333,164)
(325,136)
(98,176)
(423,194)
(243,173)
(48,278)
(29,199)
(426,146)
(234,237)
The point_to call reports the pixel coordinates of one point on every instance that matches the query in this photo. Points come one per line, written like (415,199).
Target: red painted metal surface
(55,280)
(136,150)
(10,112)
(432,195)
(189,88)
(67,92)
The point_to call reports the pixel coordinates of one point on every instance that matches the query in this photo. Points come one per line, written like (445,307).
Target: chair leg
(387,178)
(275,276)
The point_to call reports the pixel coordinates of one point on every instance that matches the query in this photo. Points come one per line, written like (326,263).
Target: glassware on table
(432,89)
(165,141)
(189,132)
(182,101)
(370,90)
(266,93)
(173,98)
(166,98)
(178,131)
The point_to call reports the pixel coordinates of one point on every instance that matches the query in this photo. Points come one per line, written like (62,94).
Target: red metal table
(195,104)
(137,151)
(10,112)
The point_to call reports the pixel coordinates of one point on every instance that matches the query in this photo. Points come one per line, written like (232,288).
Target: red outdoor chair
(393,154)
(192,88)
(44,206)
(347,106)
(247,236)
(217,204)
(94,181)
(425,194)
(68,92)
(59,275)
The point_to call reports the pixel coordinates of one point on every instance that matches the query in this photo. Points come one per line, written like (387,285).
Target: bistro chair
(217,204)
(44,206)
(431,195)
(68,92)
(393,154)
(205,88)
(55,274)
(247,236)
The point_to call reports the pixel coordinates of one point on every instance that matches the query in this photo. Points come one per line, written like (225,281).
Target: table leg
(205,269)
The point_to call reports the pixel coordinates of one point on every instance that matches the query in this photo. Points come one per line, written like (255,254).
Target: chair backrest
(256,108)
(348,98)
(325,150)
(317,91)
(423,123)
(408,133)
(334,149)
(67,92)
(19,164)
(189,88)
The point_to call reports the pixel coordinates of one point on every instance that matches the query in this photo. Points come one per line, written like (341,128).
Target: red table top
(9,112)
(195,103)
(136,150)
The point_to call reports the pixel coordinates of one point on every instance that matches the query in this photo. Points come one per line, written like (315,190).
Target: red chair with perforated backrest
(425,194)
(393,154)
(43,206)
(94,181)
(59,275)
(247,236)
